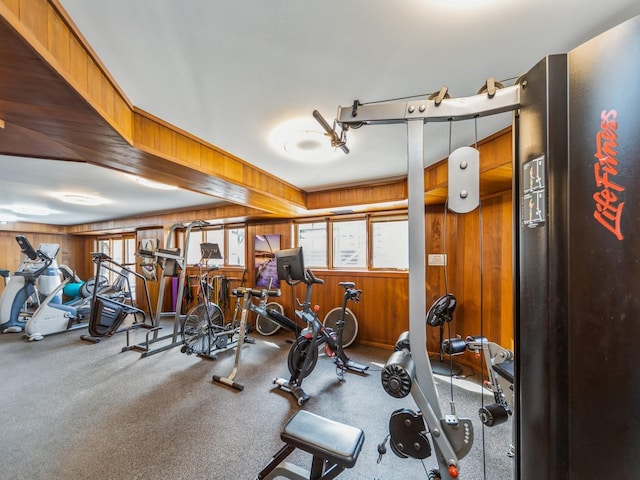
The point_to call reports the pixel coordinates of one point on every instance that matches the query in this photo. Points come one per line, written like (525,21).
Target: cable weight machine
(408,370)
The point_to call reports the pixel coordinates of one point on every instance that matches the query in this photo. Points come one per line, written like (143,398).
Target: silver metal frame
(415,113)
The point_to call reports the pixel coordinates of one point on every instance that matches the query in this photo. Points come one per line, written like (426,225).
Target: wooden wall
(479,273)
(73,251)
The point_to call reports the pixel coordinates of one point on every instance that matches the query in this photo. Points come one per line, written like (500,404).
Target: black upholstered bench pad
(333,441)
(505,370)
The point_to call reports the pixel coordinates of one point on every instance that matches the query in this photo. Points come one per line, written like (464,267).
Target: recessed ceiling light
(305,141)
(30,210)
(156,185)
(302,139)
(81,199)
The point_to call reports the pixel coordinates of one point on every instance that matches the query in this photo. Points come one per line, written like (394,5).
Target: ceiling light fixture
(156,185)
(81,199)
(303,142)
(30,210)
(302,139)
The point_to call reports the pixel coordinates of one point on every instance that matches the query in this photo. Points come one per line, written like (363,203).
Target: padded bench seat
(505,370)
(327,439)
(334,446)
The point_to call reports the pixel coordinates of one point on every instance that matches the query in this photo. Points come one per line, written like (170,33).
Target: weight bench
(334,446)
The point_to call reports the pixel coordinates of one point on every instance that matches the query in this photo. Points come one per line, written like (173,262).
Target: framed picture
(265,250)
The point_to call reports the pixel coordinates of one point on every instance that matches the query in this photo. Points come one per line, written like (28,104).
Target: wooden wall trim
(394,191)
(495,175)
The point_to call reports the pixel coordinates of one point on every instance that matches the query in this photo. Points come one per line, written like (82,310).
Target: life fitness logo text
(609,207)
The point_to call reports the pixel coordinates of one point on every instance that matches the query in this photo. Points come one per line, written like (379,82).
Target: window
(193,247)
(196,238)
(215,236)
(233,247)
(350,244)
(236,246)
(312,237)
(390,243)
(379,241)
(130,249)
(122,250)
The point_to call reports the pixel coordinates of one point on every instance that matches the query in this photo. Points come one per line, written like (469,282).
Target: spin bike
(266,311)
(303,354)
(245,298)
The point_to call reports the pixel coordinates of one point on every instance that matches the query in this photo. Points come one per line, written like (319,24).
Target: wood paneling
(73,251)
(479,274)
(359,195)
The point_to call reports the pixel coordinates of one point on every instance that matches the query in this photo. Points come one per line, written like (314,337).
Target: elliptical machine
(53,317)
(38,266)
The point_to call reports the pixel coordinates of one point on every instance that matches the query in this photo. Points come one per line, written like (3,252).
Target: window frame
(385,218)
(350,218)
(224,248)
(370,220)
(296,236)
(130,260)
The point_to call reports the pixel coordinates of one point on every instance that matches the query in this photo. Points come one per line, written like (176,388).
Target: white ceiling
(230,71)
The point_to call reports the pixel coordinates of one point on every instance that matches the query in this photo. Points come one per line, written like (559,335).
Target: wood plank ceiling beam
(57,101)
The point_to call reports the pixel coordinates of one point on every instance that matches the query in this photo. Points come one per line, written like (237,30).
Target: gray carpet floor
(73,410)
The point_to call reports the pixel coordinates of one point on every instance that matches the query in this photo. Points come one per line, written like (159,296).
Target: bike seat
(347,285)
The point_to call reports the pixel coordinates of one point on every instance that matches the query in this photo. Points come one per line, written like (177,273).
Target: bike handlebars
(255,292)
(353,294)
(311,278)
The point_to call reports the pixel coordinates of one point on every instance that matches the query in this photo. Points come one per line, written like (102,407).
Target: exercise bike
(245,297)
(303,354)
(204,330)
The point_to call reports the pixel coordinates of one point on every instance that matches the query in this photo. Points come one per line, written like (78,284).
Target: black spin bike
(303,354)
